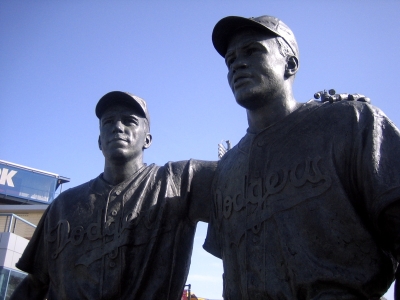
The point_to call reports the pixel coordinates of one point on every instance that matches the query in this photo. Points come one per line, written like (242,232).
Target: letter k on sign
(6,177)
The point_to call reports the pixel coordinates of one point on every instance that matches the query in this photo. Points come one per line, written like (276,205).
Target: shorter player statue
(128,233)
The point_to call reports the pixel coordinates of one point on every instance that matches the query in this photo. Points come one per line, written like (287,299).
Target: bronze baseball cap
(117,97)
(226,28)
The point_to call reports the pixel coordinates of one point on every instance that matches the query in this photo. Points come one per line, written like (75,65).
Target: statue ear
(292,65)
(147,141)
(99,142)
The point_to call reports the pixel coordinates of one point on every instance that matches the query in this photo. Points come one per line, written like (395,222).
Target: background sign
(27,184)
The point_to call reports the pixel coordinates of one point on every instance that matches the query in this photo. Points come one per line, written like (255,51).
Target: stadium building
(25,193)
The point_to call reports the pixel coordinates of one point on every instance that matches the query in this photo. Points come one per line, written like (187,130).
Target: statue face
(123,134)
(256,68)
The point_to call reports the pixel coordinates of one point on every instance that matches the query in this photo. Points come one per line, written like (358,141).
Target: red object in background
(184,295)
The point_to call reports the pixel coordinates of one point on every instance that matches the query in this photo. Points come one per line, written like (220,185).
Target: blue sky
(57,58)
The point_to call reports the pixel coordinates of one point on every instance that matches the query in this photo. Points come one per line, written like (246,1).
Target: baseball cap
(226,28)
(117,97)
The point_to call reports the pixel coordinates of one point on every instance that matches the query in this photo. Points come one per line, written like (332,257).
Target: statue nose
(118,127)
(237,65)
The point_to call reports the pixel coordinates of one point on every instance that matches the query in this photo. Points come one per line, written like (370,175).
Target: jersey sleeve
(202,173)
(377,183)
(34,259)
(192,180)
(211,243)
(377,167)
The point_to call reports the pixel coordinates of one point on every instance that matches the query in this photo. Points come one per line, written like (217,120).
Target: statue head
(124,127)
(261,55)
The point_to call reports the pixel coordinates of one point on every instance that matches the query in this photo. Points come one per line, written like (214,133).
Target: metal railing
(11,222)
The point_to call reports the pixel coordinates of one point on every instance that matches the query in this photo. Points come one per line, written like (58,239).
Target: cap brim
(226,28)
(117,97)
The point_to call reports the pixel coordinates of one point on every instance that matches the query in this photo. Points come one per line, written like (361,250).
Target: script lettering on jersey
(275,191)
(112,235)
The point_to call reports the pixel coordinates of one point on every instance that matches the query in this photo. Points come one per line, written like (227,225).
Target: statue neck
(117,173)
(272,112)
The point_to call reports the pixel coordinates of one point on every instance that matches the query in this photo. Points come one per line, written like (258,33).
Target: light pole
(188,295)
(222,149)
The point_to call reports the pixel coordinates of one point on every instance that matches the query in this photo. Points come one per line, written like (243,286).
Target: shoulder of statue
(197,164)
(73,193)
(78,189)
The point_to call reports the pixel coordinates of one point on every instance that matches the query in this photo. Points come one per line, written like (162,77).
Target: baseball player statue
(128,233)
(306,205)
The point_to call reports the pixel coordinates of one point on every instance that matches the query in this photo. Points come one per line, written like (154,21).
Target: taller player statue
(306,205)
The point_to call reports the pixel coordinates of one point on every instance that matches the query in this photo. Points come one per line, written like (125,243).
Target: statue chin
(251,102)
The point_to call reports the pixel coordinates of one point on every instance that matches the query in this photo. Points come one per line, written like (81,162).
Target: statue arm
(30,288)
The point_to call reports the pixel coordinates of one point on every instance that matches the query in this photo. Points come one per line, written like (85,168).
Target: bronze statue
(128,233)
(306,204)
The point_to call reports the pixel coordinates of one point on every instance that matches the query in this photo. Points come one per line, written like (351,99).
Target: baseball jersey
(296,206)
(129,241)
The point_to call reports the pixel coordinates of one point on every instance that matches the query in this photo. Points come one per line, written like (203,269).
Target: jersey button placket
(255,237)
